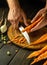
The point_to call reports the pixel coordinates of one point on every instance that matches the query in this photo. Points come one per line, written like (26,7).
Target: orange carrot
(40,57)
(13,39)
(21,39)
(28,28)
(40,40)
(36,53)
(16,40)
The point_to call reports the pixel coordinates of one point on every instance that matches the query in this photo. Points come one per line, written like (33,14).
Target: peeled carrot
(40,57)
(21,39)
(28,28)
(16,40)
(36,53)
(13,39)
(40,40)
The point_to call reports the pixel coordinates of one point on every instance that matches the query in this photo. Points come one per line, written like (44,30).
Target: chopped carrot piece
(21,39)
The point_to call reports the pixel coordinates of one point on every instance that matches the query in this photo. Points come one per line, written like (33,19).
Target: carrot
(17,40)
(40,57)
(21,39)
(12,39)
(45,63)
(40,40)
(28,28)
(37,53)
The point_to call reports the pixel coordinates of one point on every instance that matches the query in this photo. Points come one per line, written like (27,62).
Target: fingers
(41,24)
(13,24)
(19,18)
(24,18)
(17,22)
(14,18)
(37,15)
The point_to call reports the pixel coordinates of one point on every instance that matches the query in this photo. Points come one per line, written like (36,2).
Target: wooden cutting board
(33,36)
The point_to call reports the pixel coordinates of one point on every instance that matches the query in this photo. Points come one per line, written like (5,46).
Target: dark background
(3,3)
(30,3)
(31,7)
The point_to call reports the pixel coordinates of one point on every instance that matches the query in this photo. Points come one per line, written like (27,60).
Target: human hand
(42,22)
(15,15)
(39,21)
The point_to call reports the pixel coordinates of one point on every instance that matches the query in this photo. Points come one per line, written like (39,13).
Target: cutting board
(33,36)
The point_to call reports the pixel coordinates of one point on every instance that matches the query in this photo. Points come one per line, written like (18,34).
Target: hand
(15,15)
(42,23)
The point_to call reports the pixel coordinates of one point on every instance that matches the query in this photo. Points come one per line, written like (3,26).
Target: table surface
(16,58)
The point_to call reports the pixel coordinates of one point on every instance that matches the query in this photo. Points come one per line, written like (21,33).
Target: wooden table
(16,58)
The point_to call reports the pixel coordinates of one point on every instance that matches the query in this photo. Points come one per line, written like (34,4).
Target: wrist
(13,4)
